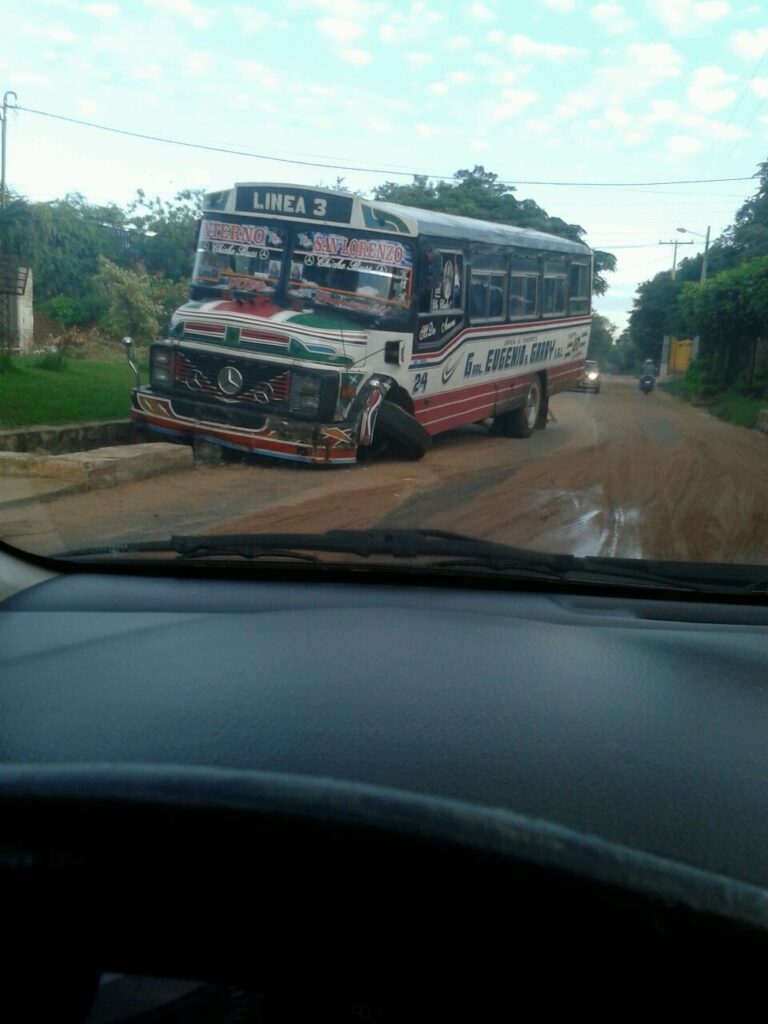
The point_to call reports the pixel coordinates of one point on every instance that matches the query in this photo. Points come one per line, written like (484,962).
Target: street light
(703,277)
(687,231)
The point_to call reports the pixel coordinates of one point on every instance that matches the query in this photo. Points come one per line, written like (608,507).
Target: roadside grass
(728,406)
(81,390)
(739,410)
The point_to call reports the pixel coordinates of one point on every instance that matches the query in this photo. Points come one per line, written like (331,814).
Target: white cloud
(636,137)
(538,126)
(750,43)
(104,11)
(560,5)
(419,59)
(359,58)
(481,13)
(659,60)
(512,103)
(457,43)
(199,62)
(339,30)
(496,36)
(759,87)
(479,144)
(685,17)
(576,103)
(708,90)
(50,33)
(251,20)
(461,77)
(88,107)
(662,111)
(680,146)
(428,131)
(28,78)
(388,33)
(192,14)
(710,129)
(612,17)
(438,88)
(256,73)
(379,125)
(524,46)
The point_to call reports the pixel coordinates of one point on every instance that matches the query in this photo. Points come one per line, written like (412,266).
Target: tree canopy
(728,311)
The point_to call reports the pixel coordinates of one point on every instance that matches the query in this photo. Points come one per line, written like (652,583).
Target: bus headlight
(161,366)
(304,398)
(591,375)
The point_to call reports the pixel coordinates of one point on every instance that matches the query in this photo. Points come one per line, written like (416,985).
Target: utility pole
(3,131)
(704,261)
(674,258)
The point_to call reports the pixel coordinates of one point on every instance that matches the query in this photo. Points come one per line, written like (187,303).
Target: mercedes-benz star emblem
(230,380)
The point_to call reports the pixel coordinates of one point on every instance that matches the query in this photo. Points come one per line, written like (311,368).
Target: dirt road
(617,473)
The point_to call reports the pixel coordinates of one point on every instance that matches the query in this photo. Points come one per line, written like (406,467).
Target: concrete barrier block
(30,465)
(762,420)
(106,467)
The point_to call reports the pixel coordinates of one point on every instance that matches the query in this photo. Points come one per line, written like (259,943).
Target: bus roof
(328,207)
(449,225)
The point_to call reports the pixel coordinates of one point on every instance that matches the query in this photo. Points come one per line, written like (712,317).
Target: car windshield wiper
(438,550)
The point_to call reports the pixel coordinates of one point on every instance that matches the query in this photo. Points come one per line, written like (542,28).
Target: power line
(362,170)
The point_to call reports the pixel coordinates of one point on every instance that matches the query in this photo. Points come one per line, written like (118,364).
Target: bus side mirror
(128,346)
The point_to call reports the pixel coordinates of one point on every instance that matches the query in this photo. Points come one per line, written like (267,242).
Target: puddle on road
(582,524)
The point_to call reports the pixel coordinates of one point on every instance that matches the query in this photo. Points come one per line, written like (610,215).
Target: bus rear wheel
(402,431)
(522,421)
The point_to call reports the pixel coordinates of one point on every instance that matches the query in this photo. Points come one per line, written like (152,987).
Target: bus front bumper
(277,436)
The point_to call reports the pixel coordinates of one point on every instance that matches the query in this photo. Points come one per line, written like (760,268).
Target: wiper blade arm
(436,550)
(396,543)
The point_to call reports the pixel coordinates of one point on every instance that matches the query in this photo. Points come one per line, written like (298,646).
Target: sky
(543,91)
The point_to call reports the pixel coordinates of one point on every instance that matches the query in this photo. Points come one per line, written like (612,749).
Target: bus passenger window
(578,288)
(523,296)
(553,296)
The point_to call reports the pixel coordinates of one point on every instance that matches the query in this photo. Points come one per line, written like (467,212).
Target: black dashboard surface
(637,721)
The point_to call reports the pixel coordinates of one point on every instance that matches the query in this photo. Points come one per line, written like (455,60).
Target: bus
(323,325)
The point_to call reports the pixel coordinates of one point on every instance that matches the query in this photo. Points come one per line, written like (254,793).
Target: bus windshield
(246,256)
(367,275)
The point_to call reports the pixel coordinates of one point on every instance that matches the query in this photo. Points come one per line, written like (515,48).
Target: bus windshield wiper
(430,550)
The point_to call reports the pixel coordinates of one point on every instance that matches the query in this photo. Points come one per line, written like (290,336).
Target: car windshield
(465,289)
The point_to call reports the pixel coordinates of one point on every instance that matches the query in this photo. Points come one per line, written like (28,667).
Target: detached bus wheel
(404,433)
(522,421)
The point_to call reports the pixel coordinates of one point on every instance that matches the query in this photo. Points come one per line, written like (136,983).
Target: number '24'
(419,383)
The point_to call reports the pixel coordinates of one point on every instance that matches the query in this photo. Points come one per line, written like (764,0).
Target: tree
(730,311)
(479,193)
(163,235)
(602,340)
(130,306)
(656,312)
(70,236)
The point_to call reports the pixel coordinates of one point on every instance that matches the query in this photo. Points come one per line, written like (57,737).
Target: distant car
(590,377)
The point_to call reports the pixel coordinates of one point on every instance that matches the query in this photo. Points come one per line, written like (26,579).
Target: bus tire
(405,434)
(522,421)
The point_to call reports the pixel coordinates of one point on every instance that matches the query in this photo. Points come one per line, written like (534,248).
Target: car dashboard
(352,797)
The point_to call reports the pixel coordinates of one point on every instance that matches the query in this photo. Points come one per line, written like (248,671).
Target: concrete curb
(762,421)
(69,437)
(80,471)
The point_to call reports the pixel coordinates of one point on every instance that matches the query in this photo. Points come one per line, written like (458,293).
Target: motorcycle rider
(648,374)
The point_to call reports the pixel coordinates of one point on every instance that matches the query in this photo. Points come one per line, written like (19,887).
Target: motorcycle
(647,384)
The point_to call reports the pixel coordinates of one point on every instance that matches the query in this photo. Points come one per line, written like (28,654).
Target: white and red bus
(322,324)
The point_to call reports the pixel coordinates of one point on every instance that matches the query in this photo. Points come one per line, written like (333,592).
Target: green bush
(54,359)
(78,311)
